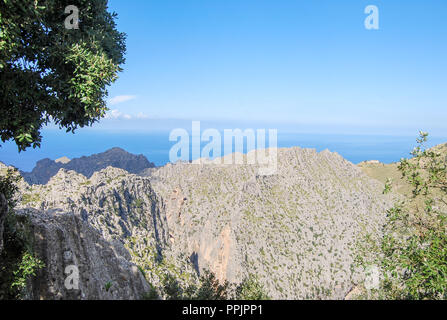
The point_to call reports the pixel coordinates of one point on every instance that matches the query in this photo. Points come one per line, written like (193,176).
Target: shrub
(25,269)
(152,294)
(251,289)
(17,261)
(413,251)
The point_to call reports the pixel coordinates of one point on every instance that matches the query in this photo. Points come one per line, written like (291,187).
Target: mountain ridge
(87,165)
(296,230)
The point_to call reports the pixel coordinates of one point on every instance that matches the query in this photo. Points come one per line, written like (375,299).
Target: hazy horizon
(155,145)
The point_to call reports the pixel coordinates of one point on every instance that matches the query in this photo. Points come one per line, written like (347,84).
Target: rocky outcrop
(79,263)
(116,157)
(63,160)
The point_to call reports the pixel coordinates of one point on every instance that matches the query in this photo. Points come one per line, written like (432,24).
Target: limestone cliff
(64,240)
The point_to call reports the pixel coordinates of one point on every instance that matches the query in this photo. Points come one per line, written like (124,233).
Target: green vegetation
(152,294)
(18,263)
(108,285)
(413,251)
(26,268)
(251,289)
(8,185)
(51,73)
(28,198)
(210,288)
(139,203)
(388,186)
(175,284)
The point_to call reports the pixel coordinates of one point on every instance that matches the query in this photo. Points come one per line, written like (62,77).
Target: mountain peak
(87,165)
(116,150)
(63,160)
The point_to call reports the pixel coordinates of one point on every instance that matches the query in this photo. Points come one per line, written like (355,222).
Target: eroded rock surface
(69,246)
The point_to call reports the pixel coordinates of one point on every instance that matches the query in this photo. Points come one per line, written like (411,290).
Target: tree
(413,251)
(49,72)
(415,243)
(212,289)
(251,289)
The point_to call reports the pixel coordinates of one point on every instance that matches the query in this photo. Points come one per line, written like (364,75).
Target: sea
(156,146)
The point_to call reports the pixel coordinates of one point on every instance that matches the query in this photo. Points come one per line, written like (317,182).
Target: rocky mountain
(116,157)
(295,230)
(64,241)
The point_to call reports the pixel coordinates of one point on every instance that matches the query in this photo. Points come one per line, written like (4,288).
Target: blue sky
(307,68)
(301,64)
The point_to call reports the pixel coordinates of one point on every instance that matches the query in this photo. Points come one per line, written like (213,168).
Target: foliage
(388,186)
(152,294)
(25,269)
(8,185)
(427,171)
(108,285)
(413,251)
(415,265)
(251,289)
(51,73)
(210,288)
(17,262)
(172,288)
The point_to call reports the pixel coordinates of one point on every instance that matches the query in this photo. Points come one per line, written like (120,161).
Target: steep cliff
(79,263)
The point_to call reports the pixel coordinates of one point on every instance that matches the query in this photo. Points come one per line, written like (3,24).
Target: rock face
(63,160)
(116,157)
(64,241)
(296,230)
